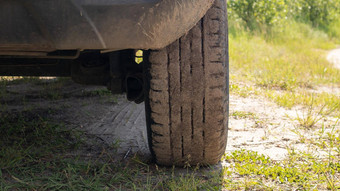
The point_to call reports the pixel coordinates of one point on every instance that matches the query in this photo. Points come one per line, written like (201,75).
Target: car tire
(187,94)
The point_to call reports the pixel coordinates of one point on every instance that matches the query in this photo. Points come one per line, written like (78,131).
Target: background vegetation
(257,14)
(281,47)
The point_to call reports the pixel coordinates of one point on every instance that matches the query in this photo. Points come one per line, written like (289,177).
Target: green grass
(283,62)
(50,87)
(315,169)
(36,154)
(39,154)
(249,170)
(25,137)
(243,115)
(287,65)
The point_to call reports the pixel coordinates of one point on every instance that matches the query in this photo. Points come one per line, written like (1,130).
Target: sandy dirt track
(265,128)
(334,58)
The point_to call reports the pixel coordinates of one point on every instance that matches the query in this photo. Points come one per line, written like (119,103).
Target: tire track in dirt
(105,119)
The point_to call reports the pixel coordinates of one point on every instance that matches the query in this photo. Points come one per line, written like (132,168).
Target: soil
(265,127)
(334,58)
(106,119)
(272,130)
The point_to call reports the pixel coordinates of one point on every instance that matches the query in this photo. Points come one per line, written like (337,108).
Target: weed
(243,91)
(313,115)
(300,170)
(243,115)
(26,137)
(99,92)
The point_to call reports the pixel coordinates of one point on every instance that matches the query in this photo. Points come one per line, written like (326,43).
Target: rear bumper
(48,25)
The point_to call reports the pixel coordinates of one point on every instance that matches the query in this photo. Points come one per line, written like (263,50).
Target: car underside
(92,41)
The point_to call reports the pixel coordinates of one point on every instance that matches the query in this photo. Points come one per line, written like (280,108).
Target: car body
(31,28)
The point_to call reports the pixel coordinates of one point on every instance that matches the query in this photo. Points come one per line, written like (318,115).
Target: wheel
(187,94)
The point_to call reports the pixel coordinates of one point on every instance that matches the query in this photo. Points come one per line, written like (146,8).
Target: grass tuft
(250,170)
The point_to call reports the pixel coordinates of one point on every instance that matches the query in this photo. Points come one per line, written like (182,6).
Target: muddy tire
(187,94)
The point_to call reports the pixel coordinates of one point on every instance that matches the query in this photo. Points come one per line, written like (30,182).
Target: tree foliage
(254,13)
(317,12)
(258,12)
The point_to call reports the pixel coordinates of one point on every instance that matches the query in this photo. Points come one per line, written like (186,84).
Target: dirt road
(119,121)
(334,57)
(255,123)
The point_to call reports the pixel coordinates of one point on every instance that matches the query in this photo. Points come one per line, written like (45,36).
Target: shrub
(258,12)
(319,13)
